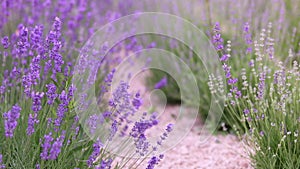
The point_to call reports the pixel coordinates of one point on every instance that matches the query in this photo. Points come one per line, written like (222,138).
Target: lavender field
(112,84)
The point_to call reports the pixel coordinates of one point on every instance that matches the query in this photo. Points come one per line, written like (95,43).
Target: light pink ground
(218,152)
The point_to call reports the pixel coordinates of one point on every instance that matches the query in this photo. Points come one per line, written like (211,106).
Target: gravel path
(218,152)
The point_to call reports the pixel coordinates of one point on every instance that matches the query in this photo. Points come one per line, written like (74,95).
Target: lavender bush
(39,124)
(263,102)
(263,97)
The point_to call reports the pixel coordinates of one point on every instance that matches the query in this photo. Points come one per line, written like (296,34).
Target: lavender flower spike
(162,83)
(51,93)
(105,164)
(97,149)
(10,122)
(1,162)
(56,147)
(46,146)
(32,119)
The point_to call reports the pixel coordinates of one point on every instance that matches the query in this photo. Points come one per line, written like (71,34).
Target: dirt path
(218,152)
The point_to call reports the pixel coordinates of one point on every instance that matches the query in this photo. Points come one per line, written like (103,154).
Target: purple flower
(228,75)
(51,93)
(106,114)
(22,44)
(37,101)
(217,27)
(247,37)
(54,39)
(10,120)
(137,101)
(162,83)
(224,58)
(62,107)
(238,94)
(60,113)
(15,73)
(63,97)
(71,92)
(97,146)
(152,162)
(246,111)
(251,63)
(113,129)
(94,121)
(169,127)
(46,146)
(32,76)
(54,35)
(32,119)
(262,133)
(232,81)
(5,42)
(109,77)
(57,25)
(138,133)
(217,40)
(108,80)
(56,147)
(122,103)
(2,89)
(36,37)
(142,144)
(105,164)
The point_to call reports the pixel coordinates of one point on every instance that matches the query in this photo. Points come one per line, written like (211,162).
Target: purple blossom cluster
(46,146)
(37,101)
(231,81)
(217,40)
(154,161)
(105,164)
(56,147)
(124,105)
(247,37)
(137,101)
(51,93)
(11,120)
(97,146)
(94,122)
(30,79)
(62,108)
(51,148)
(5,42)
(32,120)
